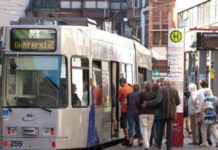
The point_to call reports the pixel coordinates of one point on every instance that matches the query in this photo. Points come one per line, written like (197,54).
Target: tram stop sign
(176,36)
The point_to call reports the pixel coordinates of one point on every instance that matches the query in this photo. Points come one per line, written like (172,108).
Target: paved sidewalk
(185,147)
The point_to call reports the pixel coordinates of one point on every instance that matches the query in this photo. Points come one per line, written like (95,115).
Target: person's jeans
(133,121)
(169,123)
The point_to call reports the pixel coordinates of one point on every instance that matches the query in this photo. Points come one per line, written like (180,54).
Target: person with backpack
(208,117)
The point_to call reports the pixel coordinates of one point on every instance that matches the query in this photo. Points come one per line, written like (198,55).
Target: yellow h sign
(176,36)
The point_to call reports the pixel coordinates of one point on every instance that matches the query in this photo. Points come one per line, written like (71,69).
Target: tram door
(115,103)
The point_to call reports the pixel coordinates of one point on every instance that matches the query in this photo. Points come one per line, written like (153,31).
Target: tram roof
(75,21)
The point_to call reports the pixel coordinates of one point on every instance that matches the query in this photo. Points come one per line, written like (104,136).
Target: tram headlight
(48,131)
(12,131)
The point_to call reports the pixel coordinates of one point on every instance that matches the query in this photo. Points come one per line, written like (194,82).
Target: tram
(59,85)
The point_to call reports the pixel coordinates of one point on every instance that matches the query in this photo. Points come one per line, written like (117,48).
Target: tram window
(80,90)
(97,77)
(141,76)
(126,72)
(105,83)
(38,81)
(29,83)
(129,74)
(122,71)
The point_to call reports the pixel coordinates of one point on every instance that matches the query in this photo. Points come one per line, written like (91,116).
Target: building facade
(201,17)
(120,16)
(159,20)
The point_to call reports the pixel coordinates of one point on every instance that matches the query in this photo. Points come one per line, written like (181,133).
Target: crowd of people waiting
(147,111)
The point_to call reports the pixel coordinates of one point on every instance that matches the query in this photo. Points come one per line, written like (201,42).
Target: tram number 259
(16,143)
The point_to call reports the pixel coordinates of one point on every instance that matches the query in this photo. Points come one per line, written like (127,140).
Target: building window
(102,4)
(156,38)
(156,25)
(65,4)
(124,5)
(90,4)
(76,4)
(135,3)
(165,37)
(160,38)
(115,5)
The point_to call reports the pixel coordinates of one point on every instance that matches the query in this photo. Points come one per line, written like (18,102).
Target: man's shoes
(158,146)
(129,144)
(125,143)
(193,143)
(140,144)
(209,142)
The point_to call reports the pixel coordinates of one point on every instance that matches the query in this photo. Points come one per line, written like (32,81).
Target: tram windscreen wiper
(8,105)
(28,103)
(43,108)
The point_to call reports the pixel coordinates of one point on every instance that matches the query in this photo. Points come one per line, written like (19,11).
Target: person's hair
(192,86)
(208,92)
(122,80)
(155,87)
(203,83)
(167,82)
(135,87)
(147,85)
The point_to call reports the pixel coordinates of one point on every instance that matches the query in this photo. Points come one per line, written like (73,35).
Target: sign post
(176,73)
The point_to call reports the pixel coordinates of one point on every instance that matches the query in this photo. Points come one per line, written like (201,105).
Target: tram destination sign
(33,40)
(207,41)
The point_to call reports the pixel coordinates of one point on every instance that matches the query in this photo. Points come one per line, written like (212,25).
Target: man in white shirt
(193,112)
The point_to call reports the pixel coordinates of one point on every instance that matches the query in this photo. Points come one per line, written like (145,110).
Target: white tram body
(59,85)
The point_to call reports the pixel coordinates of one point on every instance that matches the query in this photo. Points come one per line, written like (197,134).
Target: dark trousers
(169,123)
(155,132)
